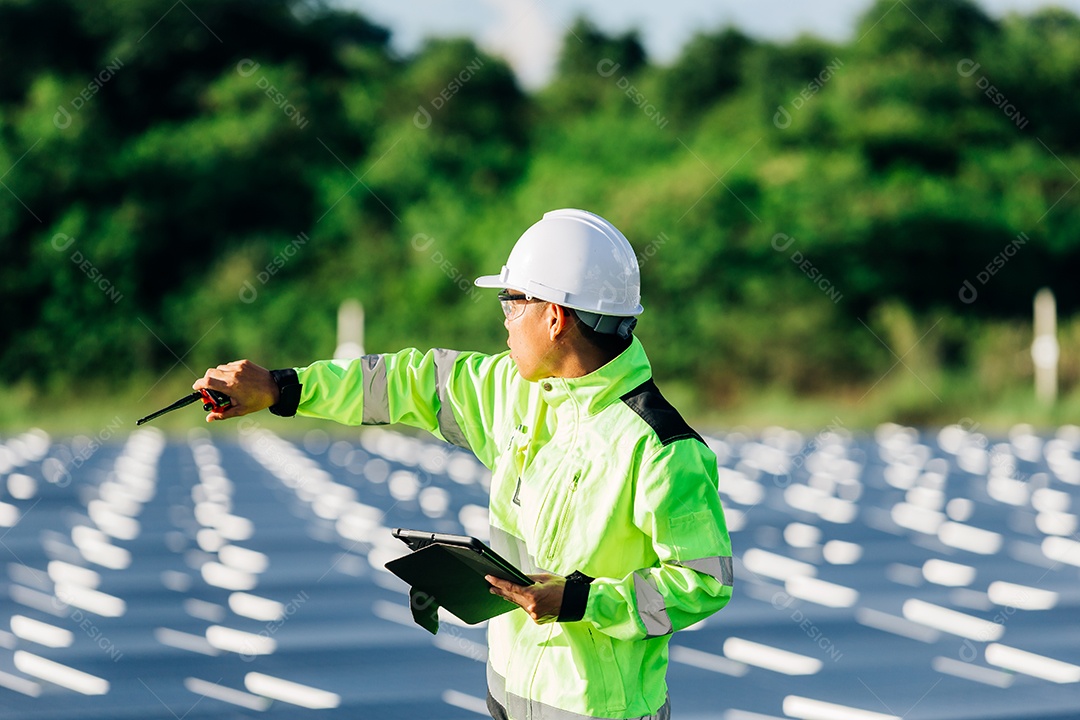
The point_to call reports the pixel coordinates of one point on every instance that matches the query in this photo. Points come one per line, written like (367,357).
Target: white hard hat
(579,260)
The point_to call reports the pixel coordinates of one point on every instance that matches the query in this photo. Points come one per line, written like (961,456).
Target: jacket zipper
(557,530)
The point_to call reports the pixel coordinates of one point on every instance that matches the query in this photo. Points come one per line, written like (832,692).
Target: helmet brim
(490,281)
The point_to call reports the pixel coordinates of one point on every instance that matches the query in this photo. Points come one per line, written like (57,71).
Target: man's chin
(524,374)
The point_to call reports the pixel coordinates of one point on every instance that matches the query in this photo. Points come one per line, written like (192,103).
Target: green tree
(707,70)
(588,61)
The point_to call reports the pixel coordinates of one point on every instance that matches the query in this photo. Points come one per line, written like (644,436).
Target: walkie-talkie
(212,401)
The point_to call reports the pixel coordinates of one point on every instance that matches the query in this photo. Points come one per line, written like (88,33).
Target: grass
(94,409)
(905,401)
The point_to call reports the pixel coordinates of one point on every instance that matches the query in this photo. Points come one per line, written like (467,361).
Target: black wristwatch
(575,597)
(289,387)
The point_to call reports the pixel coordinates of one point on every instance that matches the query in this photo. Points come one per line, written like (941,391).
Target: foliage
(184,189)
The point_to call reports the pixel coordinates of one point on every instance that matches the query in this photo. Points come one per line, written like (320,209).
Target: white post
(350,330)
(1044,349)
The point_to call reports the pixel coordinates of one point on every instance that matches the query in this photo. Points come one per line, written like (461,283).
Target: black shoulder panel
(661,416)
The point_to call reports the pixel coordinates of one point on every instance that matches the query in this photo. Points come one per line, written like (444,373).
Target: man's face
(528,337)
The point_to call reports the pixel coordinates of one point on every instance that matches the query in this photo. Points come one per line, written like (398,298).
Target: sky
(528,33)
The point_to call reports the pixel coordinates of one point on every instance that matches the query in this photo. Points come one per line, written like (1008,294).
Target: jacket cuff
(575,597)
(289,392)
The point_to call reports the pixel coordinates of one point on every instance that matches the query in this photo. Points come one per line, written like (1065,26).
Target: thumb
(499,582)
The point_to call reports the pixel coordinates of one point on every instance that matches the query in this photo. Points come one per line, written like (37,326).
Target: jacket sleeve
(454,395)
(677,505)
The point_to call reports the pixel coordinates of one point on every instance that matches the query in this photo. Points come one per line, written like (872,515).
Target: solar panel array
(231,574)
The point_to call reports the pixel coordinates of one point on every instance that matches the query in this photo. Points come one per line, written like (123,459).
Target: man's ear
(558,321)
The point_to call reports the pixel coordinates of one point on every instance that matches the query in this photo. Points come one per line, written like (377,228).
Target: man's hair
(609,344)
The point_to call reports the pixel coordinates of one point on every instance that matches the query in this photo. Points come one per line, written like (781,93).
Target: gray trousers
(498,712)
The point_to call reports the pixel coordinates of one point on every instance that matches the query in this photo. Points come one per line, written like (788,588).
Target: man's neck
(579,361)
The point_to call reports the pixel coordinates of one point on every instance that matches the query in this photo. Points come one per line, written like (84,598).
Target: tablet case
(452,577)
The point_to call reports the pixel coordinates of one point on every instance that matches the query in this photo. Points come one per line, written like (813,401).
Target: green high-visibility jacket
(597,475)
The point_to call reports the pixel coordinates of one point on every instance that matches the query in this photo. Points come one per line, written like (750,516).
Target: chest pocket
(517,506)
(518,449)
(556,481)
(558,526)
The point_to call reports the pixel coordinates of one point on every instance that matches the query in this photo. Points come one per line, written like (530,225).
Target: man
(600,490)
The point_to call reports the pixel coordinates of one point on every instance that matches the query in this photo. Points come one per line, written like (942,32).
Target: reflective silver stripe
(376,399)
(718,567)
(651,608)
(519,708)
(513,549)
(448,424)
(496,685)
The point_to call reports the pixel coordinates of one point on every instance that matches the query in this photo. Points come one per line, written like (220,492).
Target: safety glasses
(512,306)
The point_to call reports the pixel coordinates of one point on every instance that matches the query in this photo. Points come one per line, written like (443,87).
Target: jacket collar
(593,392)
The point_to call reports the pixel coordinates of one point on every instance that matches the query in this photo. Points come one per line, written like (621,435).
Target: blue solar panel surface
(234,574)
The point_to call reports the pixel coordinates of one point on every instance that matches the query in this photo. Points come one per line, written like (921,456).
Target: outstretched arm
(460,397)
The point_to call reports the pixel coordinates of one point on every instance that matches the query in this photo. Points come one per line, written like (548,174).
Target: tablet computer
(483,558)
(448,571)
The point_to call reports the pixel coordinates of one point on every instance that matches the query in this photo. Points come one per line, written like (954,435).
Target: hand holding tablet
(448,571)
